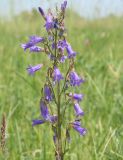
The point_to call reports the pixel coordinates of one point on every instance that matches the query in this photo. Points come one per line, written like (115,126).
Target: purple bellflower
(75,96)
(37,121)
(42,12)
(63,58)
(36,39)
(57,76)
(32,69)
(49,22)
(78,110)
(53,46)
(44,110)
(62,44)
(77,126)
(45,114)
(33,40)
(27,45)
(75,80)
(48,93)
(36,49)
(63,5)
(53,103)
(70,52)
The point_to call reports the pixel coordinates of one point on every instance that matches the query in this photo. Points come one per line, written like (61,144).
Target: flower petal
(78,110)
(44,110)
(32,69)
(37,122)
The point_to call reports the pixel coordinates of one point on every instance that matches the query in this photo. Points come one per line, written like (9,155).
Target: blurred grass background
(100,60)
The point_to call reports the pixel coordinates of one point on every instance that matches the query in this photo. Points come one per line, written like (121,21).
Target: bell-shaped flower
(70,52)
(42,12)
(63,5)
(77,126)
(32,41)
(63,58)
(49,22)
(44,110)
(27,45)
(32,69)
(75,80)
(75,96)
(78,110)
(36,39)
(45,115)
(62,44)
(36,49)
(48,93)
(37,121)
(57,76)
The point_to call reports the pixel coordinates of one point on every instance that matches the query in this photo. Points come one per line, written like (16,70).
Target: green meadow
(99,44)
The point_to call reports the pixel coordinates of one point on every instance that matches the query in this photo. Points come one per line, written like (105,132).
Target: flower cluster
(57,84)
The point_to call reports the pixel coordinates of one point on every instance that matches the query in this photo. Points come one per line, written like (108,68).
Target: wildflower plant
(56,95)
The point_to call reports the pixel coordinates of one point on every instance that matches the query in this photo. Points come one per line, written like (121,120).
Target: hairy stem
(59,152)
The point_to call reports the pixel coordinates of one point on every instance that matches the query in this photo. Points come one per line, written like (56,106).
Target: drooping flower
(36,49)
(63,5)
(57,76)
(42,12)
(45,115)
(78,110)
(63,58)
(77,122)
(77,126)
(49,22)
(53,46)
(75,80)
(37,121)
(70,52)
(75,96)
(44,110)
(36,39)
(48,93)
(27,45)
(62,44)
(32,41)
(32,69)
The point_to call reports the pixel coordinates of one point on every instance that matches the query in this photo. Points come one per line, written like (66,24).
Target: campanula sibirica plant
(58,85)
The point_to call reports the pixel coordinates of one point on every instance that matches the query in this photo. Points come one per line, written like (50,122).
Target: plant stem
(59,149)
(59,152)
